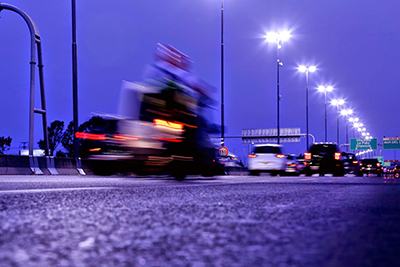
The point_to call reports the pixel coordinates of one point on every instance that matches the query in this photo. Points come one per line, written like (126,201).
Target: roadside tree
(5,144)
(55,136)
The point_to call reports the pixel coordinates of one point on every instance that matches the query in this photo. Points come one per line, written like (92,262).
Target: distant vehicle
(324,158)
(293,166)
(267,158)
(370,166)
(389,170)
(231,163)
(351,163)
(302,164)
(396,171)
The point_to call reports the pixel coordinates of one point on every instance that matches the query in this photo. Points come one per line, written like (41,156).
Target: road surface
(234,220)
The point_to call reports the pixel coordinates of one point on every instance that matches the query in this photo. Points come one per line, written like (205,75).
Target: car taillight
(292,165)
(378,165)
(355,162)
(252,155)
(337,155)
(125,137)
(280,156)
(90,136)
(307,156)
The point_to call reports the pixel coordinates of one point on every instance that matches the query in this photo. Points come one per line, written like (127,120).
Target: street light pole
(307,144)
(222,75)
(278,97)
(307,70)
(278,38)
(326,121)
(346,113)
(337,116)
(337,103)
(75,79)
(325,90)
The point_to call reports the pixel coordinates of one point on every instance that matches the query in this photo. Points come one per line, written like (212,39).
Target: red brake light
(307,156)
(252,155)
(124,137)
(90,136)
(169,139)
(337,155)
(355,162)
(280,156)
(378,165)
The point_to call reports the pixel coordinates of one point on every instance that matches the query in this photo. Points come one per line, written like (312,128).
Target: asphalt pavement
(221,221)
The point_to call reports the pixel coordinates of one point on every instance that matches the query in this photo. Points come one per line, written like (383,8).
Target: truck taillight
(307,156)
(168,124)
(90,136)
(125,137)
(337,155)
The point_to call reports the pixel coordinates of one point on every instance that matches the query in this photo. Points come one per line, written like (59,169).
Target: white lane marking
(53,190)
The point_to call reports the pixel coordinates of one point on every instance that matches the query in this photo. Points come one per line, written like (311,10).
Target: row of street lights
(278,38)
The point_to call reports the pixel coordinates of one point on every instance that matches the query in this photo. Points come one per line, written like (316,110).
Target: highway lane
(221,221)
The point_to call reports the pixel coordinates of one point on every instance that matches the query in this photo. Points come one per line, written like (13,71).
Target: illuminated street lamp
(337,103)
(346,113)
(325,90)
(274,37)
(306,69)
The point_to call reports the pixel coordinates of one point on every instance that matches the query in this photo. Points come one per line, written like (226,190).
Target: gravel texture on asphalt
(191,224)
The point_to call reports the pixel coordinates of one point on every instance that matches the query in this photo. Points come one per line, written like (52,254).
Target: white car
(267,158)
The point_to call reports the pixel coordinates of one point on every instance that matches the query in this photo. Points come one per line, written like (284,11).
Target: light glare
(322,88)
(284,36)
(276,37)
(272,37)
(302,68)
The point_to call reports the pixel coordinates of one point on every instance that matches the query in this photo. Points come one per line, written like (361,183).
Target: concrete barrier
(15,165)
(27,165)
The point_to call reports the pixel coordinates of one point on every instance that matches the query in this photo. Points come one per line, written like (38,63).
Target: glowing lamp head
(302,68)
(312,69)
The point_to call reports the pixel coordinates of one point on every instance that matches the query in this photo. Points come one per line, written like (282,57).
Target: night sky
(354,44)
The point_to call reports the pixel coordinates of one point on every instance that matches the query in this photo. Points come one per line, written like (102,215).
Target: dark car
(231,163)
(396,171)
(294,166)
(388,170)
(324,158)
(350,163)
(370,166)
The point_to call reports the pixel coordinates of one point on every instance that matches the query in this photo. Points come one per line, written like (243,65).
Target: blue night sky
(354,44)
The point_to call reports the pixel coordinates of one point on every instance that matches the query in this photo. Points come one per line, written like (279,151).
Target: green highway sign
(380,159)
(391,143)
(363,144)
